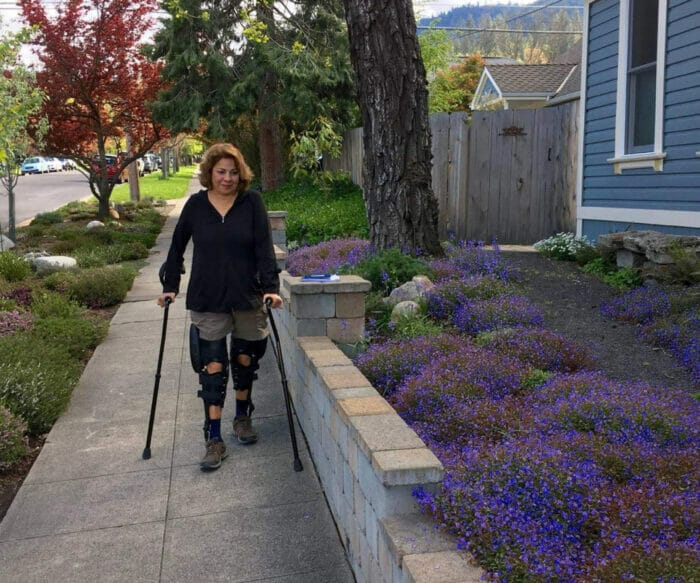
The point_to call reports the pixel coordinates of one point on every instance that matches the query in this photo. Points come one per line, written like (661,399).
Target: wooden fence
(506,174)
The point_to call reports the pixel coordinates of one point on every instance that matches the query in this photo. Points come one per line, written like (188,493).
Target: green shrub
(597,266)
(54,305)
(59,280)
(624,278)
(136,234)
(101,287)
(13,446)
(320,211)
(415,326)
(66,247)
(535,378)
(586,254)
(79,207)
(77,335)
(13,267)
(131,251)
(82,216)
(110,254)
(36,379)
(48,218)
(390,268)
(99,236)
(7,305)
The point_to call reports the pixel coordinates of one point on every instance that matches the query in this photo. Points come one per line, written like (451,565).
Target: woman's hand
(161,299)
(275,300)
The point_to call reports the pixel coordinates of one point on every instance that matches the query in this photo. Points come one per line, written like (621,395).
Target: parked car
(34,165)
(112,167)
(149,163)
(156,160)
(68,164)
(55,165)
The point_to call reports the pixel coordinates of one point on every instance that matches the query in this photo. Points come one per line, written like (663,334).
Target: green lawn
(154,186)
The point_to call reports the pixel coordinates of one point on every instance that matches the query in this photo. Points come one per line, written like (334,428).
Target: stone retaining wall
(369,461)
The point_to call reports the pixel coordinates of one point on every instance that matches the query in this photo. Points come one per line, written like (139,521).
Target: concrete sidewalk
(92,509)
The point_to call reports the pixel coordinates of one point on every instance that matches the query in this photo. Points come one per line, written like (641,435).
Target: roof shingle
(537,79)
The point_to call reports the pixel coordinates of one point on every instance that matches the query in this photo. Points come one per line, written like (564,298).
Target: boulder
(412,290)
(632,248)
(53,263)
(94,225)
(114,213)
(6,243)
(404,310)
(32,255)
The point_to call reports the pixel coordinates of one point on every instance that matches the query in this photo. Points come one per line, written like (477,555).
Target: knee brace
(213,391)
(244,375)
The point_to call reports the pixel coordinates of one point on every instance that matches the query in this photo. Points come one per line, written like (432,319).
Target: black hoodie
(233,260)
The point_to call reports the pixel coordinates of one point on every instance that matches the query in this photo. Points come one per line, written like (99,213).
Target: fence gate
(508,175)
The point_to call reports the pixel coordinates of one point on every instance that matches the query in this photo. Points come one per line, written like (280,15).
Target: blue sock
(241,408)
(215,429)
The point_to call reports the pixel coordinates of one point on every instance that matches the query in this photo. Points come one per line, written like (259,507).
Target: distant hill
(459,15)
(566,15)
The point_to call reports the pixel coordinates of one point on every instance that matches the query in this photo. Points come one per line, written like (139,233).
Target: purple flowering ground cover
(571,446)
(327,257)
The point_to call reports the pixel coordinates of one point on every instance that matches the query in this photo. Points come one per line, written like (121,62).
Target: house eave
(573,96)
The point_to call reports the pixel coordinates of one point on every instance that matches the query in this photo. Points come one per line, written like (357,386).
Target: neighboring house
(525,86)
(639,151)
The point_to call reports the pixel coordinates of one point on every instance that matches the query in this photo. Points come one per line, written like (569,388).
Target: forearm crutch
(147,450)
(276,348)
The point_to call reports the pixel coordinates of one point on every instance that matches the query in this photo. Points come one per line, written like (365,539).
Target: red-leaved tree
(97,83)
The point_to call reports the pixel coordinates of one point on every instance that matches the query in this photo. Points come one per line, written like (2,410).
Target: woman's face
(225,177)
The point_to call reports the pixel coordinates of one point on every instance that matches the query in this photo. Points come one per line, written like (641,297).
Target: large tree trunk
(402,210)
(271,161)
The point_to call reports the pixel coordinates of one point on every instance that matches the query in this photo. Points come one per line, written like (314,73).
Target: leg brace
(213,391)
(244,374)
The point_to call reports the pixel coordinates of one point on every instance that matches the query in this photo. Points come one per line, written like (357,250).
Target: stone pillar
(278,224)
(335,309)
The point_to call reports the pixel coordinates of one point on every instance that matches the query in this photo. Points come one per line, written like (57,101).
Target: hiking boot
(216,451)
(243,428)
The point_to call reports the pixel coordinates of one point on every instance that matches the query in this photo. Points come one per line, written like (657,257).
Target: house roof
(530,79)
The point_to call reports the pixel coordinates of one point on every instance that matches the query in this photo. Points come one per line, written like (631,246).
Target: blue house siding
(677,186)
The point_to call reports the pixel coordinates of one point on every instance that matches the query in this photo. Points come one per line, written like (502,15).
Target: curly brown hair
(218,152)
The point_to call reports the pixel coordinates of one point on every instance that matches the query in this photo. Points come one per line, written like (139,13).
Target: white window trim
(653,159)
(582,116)
(485,75)
(685,219)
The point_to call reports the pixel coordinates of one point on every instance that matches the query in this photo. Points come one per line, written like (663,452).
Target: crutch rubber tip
(146,453)
(297,466)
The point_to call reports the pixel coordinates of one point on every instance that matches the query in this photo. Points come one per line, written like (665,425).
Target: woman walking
(233,273)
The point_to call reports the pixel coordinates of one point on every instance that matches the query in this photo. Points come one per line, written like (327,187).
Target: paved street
(37,193)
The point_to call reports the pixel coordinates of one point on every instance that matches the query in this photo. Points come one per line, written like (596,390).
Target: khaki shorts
(243,324)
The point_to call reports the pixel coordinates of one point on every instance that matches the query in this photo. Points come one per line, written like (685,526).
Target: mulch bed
(570,300)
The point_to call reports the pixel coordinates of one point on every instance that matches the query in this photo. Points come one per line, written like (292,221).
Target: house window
(641,75)
(640,85)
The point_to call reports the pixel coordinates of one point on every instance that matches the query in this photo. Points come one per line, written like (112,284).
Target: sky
(422,8)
